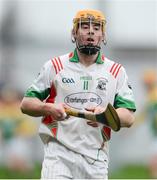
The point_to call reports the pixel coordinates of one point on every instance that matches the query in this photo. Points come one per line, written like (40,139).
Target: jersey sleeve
(124,95)
(41,85)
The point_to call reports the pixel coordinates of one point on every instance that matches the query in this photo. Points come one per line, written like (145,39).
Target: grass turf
(127,172)
(6,173)
(131,172)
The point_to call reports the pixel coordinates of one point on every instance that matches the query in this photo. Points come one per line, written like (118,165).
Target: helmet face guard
(90,19)
(88,49)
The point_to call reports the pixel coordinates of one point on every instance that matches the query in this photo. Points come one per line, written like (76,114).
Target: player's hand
(57,111)
(95,110)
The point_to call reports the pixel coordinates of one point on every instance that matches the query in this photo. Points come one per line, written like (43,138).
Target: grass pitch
(127,172)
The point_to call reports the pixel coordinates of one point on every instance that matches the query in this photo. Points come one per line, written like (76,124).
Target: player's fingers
(92,109)
(98,110)
(65,106)
(93,124)
(61,116)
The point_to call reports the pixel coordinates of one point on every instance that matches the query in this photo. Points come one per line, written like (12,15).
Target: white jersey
(65,79)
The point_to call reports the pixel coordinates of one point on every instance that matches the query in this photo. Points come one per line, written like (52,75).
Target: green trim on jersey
(99,59)
(31,92)
(75,58)
(121,102)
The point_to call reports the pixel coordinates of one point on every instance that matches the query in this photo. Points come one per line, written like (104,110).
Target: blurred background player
(149,113)
(86,80)
(17,132)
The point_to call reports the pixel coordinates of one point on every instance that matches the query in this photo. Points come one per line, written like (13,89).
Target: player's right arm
(34,103)
(35,107)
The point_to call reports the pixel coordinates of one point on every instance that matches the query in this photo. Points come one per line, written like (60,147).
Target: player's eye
(85,26)
(96,27)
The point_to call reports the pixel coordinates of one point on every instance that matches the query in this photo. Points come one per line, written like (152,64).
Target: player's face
(89,33)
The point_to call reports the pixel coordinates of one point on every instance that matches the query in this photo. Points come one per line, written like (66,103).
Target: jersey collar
(73,57)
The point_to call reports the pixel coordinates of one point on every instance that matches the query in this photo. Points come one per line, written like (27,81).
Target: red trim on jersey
(54,65)
(107,132)
(112,67)
(48,119)
(103,57)
(53,94)
(60,62)
(71,55)
(118,70)
(115,69)
(57,64)
(56,61)
(54,131)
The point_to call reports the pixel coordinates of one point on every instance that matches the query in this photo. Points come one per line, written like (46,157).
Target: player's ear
(73,36)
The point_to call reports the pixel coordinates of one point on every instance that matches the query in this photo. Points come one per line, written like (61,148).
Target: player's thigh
(97,170)
(100,171)
(55,170)
(54,166)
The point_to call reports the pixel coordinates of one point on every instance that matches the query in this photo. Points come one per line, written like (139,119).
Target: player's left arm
(126,117)
(124,102)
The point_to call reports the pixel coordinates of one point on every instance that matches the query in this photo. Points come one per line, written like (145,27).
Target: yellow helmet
(85,15)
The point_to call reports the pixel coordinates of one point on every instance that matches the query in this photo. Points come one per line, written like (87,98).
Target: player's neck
(87,60)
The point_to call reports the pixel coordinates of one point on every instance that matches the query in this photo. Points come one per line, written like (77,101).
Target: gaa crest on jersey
(102,82)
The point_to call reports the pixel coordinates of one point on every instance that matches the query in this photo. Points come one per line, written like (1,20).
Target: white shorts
(62,163)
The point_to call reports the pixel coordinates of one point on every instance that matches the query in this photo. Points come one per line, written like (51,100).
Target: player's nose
(91,30)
